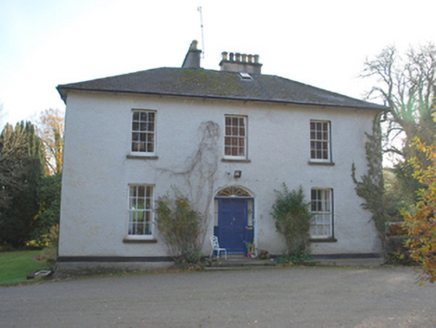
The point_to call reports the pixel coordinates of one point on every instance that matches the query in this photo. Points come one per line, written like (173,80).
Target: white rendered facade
(99,168)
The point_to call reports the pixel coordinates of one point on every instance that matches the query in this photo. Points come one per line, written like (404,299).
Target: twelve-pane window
(140,210)
(235,139)
(322,226)
(143,131)
(319,141)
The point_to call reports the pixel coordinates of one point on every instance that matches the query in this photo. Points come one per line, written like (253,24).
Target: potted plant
(249,247)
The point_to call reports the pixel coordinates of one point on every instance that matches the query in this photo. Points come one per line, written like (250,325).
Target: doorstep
(236,262)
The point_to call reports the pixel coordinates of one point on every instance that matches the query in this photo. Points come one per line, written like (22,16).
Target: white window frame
(318,137)
(146,133)
(322,209)
(140,206)
(230,136)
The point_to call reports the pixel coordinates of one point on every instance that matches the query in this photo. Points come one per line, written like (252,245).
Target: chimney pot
(242,63)
(193,45)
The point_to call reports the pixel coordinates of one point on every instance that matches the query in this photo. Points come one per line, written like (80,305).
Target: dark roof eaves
(378,108)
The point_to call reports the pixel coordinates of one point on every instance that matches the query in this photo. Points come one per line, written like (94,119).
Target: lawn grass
(15,265)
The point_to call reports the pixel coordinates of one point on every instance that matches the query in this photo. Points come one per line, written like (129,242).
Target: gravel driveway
(293,297)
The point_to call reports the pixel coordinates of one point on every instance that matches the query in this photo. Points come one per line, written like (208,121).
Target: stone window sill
(323,240)
(230,160)
(322,163)
(142,157)
(139,241)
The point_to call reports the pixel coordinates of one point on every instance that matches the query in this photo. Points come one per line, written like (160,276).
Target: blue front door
(232,223)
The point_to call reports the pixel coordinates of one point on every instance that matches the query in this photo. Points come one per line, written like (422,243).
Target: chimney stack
(192,58)
(242,63)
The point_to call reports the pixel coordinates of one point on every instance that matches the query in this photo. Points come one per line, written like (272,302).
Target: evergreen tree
(49,200)
(21,167)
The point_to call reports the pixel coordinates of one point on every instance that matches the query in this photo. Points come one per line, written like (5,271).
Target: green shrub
(180,227)
(294,259)
(47,219)
(397,251)
(396,229)
(292,219)
(395,242)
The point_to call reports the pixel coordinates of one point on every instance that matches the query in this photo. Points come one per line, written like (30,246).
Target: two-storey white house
(227,139)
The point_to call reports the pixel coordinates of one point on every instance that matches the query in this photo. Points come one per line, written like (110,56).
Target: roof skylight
(245,76)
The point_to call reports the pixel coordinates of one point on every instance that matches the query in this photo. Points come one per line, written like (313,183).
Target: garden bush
(397,251)
(420,221)
(180,226)
(396,229)
(292,219)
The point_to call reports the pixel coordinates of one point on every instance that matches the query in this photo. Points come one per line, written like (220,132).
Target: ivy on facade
(371,187)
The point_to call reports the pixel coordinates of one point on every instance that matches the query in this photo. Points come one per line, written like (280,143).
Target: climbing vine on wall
(371,188)
(198,172)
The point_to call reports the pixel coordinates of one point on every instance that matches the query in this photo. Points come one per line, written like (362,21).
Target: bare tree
(405,84)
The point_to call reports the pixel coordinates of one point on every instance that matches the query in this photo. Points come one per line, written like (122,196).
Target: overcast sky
(322,43)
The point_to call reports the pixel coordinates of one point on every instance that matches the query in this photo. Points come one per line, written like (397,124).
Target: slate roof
(202,83)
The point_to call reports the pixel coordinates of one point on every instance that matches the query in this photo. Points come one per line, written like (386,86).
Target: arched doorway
(234,223)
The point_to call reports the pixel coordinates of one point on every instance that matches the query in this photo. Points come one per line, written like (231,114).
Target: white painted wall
(97,171)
